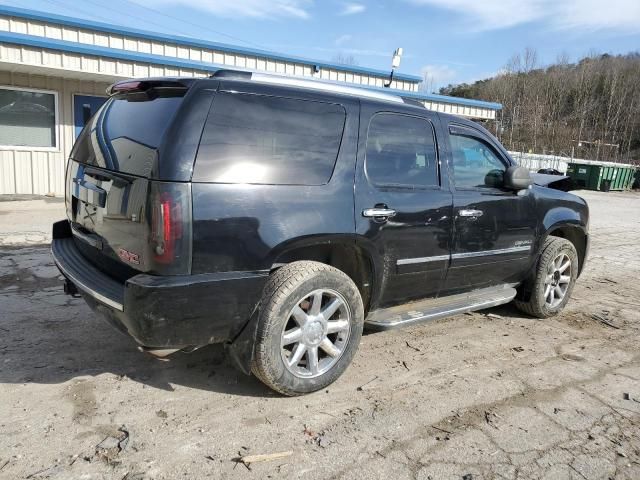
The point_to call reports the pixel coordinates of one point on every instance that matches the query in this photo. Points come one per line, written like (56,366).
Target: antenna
(395,63)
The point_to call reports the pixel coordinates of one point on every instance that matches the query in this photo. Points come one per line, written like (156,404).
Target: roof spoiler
(148,84)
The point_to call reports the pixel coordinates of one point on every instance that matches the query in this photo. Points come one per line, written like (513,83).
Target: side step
(434,308)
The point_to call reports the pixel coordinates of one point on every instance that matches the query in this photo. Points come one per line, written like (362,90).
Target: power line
(206,28)
(163,27)
(90,14)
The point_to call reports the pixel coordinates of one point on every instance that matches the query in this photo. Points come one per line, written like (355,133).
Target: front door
(84,106)
(402,212)
(494,228)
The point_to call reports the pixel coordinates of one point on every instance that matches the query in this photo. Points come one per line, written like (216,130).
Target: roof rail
(309,83)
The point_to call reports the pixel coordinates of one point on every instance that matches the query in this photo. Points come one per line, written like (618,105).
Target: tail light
(170,233)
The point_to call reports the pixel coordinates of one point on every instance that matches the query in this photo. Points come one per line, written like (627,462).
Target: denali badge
(128,256)
(523,243)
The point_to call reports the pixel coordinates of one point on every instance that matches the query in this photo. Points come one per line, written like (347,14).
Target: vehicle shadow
(70,341)
(79,343)
(47,337)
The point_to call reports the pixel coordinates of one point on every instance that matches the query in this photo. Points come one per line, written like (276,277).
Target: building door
(84,106)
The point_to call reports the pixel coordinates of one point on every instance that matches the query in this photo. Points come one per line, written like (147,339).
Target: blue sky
(452,40)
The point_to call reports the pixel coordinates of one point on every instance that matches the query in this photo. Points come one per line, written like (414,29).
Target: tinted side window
(269,140)
(475,164)
(401,151)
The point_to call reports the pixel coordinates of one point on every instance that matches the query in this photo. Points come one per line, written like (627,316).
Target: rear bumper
(162,311)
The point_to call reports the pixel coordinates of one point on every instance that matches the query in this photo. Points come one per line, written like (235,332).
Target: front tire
(309,327)
(554,279)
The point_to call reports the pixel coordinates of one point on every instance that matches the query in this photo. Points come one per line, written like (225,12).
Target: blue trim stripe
(94,50)
(113,53)
(191,42)
(434,97)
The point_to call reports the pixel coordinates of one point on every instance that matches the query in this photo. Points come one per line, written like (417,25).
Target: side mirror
(517,178)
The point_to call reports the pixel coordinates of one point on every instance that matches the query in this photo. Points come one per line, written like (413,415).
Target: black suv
(279,216)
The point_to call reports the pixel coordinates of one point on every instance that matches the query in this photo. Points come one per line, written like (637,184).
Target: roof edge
(63,45)
(188,41)
(435,97)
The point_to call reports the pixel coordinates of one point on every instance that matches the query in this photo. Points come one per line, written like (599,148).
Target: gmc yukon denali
(281,216)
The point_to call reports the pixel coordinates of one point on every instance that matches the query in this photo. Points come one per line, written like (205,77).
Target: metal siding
(133,44)
(24,175)
(102,28)
(116,42)
(40,173)
(144,47)
(7,172)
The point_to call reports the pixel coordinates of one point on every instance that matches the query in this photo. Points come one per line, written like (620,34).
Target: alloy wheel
(557,281)
(316,333)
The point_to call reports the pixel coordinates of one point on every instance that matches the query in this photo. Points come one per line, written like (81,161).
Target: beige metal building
(54,71)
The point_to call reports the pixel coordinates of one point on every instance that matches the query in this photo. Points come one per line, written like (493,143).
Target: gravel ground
(492,394)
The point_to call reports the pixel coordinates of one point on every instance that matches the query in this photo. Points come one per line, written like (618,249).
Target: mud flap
(240,350)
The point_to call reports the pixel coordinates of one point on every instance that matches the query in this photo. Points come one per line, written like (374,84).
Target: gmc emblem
(128,256)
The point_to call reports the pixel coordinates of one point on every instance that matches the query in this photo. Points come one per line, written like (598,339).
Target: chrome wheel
(316,333)
(557,281)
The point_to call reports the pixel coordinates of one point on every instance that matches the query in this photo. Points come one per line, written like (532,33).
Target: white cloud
(246,8)
(620,15)
(352,8)
(342,39)
(436,76)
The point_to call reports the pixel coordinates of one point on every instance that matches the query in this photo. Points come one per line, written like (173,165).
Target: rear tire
(553,281)
(309,327)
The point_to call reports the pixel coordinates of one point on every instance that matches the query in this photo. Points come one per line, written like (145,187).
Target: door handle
(379,212)
(470,213)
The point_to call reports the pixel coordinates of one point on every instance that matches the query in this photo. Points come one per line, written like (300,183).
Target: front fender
(571,225)
(559,217)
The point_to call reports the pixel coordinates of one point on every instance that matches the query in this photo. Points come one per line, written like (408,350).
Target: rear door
(494,228)
(403,213)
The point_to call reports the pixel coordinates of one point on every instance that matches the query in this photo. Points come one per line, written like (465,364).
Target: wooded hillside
(591,107)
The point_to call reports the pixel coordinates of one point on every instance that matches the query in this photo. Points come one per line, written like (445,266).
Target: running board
(434,308)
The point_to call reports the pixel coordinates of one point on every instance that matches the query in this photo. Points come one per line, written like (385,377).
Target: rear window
(269,140)
(128,133)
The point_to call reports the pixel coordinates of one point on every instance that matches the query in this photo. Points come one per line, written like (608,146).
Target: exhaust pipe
(159,353)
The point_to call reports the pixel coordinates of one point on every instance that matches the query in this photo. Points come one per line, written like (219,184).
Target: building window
(27,118)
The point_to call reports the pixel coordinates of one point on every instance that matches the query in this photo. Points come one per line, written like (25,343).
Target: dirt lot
(488,395)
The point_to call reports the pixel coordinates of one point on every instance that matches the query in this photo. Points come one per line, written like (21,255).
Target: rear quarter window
(269,140)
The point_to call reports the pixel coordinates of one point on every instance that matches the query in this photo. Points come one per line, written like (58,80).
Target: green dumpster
(603,176)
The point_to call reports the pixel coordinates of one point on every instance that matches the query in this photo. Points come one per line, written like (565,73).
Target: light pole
(395,63)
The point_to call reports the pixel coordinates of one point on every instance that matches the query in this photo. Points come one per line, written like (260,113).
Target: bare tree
(344,59)
(590,108)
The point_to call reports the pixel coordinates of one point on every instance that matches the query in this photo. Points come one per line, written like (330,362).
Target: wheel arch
(341,252)
(576,234)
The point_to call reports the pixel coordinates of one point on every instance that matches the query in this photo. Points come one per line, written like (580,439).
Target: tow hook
(71,289)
